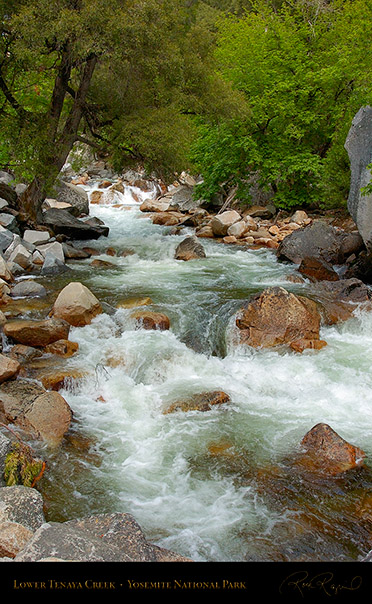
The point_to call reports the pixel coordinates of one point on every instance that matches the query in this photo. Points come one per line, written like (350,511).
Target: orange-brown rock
(96,197)
(276,317)
(59,378)
(49,417)
(102,263)
(63,348)
(9,368)
(151,320)
(316,269)
(77,305)
(303,344)
(37,333)
(13,538)
(134,302)
(166,218)
(326,452)
(203,401)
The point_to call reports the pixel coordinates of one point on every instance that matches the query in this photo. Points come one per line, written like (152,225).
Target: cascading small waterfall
(191,480)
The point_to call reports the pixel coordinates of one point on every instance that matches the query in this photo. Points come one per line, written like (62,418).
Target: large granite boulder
(61,222)
(74,195)
(277,317)
(37,333)
(103,538)
(221,222)
(359,148)
(317,240)
(77,305)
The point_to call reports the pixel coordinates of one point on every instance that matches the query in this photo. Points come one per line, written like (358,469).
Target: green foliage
(304,70)
(21,468)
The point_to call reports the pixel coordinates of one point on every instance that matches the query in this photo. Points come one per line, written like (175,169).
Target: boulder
(318,270)
(37,333)
(74,195)
(9,221)
(221,222)
(189,249)
(22,505)
(166,218)
(21,256)
(72,253)
(238,229)
(52,265)
(63,223)
(103,538)
(275,317)
(9,368)
(152,205)
(151,320)
(36,237)
(359,148)
(16,396)
(28,289)
(48,417)
(337,300)
(5,272)
(317,240)
(203,401)
(77,305)
(54,248)
(183,200)
(62,348)
(13,538)
(326,452)
(205,231)
(6,238)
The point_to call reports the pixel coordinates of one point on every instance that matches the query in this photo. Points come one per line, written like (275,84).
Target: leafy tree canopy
(304,69)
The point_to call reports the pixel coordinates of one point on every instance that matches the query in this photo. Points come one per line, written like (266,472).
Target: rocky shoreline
(326,252)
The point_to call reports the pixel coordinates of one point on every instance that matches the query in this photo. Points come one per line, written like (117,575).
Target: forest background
(236,91)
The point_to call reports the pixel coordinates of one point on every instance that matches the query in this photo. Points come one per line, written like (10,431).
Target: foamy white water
(161,467)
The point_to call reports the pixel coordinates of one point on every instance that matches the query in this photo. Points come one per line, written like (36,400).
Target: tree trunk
(61,143)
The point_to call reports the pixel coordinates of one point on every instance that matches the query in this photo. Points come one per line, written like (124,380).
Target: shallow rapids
(192,480)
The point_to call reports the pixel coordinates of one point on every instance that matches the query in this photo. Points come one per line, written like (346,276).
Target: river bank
(217,485)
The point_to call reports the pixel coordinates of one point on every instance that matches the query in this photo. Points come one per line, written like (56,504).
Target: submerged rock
(275,317)
(203,401)
(151,320)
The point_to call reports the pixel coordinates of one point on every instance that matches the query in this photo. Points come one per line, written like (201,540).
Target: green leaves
(304,70)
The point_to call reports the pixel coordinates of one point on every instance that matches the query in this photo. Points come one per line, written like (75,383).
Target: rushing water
(192,480)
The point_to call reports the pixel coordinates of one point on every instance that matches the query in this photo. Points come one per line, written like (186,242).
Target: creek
(210,486)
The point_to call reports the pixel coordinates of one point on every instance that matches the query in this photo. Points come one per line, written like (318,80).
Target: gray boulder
(359,148)
(189,249)
(28,289)
(63,223)
(103,538)
(22,505)
(75,196)
(317,240)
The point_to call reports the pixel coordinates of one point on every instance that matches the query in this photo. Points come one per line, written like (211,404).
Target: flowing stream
(212,485)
